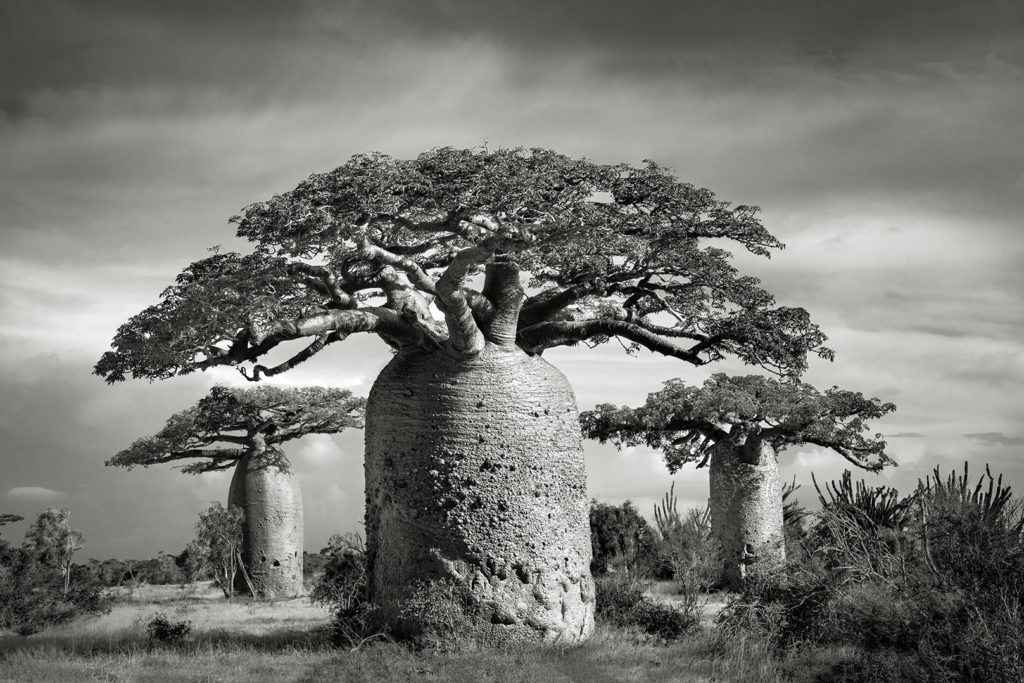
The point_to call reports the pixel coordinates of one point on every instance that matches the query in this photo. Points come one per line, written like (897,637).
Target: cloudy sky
(883,141)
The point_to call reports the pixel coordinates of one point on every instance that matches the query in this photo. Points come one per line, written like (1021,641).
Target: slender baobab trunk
(265,487)
(475,478)
(746,509)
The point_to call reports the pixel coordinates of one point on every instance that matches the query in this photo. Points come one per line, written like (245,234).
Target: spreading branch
(550,334)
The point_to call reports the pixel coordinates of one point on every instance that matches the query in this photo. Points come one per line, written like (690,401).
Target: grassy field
(287,641)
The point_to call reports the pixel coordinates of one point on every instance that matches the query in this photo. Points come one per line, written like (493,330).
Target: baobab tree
(243,429)
(474,460)
(739,425)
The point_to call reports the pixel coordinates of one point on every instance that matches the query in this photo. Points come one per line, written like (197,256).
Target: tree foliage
(219,543)
(52,541)
(390,246)
(685,421)
(227,423)
(38,586)
(619,535)
(9,518)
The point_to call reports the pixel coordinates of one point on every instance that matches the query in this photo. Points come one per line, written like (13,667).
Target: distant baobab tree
(474,457)
(739,424)
(243,429)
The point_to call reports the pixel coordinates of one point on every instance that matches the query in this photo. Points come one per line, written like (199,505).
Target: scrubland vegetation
(880,586)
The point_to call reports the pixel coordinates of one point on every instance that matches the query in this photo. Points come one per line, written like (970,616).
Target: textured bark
(746,509)
(265,487)
(475,476)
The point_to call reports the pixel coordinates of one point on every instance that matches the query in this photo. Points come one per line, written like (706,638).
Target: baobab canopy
(220,429)
(603,250)
(684,421)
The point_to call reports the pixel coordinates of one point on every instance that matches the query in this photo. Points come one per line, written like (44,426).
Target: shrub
(688,551)
(163,630)
(972,538)
(622,602)
(620,539)
(342,588)
(872,508)
(780,609)
(32,594)
(934,592)
(342,585)
(434,613)
(617,596)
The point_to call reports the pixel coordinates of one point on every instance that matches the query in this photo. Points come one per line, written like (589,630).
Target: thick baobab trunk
(265,487)
(475,482)
(746,509)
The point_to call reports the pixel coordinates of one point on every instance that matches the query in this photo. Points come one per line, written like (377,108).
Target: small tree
(739,424)
(53,542)
(219,540)
(621,538)
(244,429)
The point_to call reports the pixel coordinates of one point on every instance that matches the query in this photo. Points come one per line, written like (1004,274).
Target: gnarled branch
(302,356)
(557,333)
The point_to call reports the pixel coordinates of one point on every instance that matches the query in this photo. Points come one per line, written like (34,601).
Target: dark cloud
(905,435)
(995,439)
(61,44)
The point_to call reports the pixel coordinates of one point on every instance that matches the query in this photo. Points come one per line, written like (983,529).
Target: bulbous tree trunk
(746,509)
(265,487)
(475,482)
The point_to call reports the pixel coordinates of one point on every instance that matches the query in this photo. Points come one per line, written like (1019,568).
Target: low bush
(342,585)
(32,595)
(622,602)
(163,630)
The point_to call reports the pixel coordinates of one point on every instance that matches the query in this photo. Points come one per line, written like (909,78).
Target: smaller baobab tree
(739,425)
(244,429)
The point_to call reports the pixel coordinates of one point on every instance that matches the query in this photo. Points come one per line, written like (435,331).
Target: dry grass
(286,641)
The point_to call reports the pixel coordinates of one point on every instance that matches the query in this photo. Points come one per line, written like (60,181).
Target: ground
(241,640)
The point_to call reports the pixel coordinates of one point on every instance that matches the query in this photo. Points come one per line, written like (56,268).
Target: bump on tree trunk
(266,488)
(746,510)
(475,478)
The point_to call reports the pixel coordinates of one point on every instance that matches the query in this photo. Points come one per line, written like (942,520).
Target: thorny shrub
(930,585)
(163,630)
(621,601)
